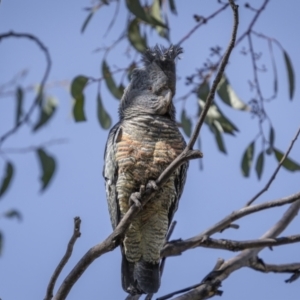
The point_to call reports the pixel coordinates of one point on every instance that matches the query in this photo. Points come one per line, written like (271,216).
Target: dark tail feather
(147,276)
(128,283)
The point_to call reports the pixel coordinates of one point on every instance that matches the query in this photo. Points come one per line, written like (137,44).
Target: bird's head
(152,87)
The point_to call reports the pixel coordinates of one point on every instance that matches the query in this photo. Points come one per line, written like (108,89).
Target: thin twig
(64,260)
(38,97)
(276,170)
(202,22)
(33,148)
(252,23)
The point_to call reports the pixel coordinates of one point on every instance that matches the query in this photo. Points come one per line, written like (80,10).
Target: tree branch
(276,170)
(38,97)
(181,246)
(64,260)
(209,286)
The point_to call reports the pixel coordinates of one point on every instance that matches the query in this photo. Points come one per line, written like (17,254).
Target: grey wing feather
(110,173)
(180,179)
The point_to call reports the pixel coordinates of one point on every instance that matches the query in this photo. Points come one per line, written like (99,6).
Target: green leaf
(203,90)
(228,95)
(186,123)
(135,38)
(13,214)
(117,92)
(1,242)
(48,166)
(247,160)
(135,7)
(156,13)
(288,163)
(215,114)
(259,164)
(77,86)
(217,131)
(87,20)
(290,72)
(47,111)
(103,117)
(19,109)
(6,180)
(271,141)
(173,7)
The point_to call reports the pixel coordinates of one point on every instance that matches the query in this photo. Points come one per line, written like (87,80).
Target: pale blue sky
(33,248)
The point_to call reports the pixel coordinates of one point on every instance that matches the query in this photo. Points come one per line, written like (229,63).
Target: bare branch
(276,170)
(181,246)
(252,23)
(38,97)
(209,286)
(202,21)
(259,265)
(33,148)
(64,260)
(231,245)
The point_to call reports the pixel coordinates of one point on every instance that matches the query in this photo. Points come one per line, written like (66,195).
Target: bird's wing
(179,182)
(110,174)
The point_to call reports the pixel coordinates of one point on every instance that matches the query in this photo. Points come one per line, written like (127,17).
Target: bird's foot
(152,185)
(135,199)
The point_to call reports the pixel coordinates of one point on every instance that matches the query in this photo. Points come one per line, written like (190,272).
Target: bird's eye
(150,88)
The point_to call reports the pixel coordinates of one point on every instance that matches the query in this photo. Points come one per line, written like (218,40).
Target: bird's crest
(161,55)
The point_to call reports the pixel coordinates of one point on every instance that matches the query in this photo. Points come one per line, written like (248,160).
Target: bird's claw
(152,185)
(135,199)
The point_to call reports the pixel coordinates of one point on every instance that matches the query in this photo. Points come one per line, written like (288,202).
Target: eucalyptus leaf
(156,13)
(1,242)
(117,92)
(288,163)
(203,90)
(103,117)
(134,36)
(215,114)
(228,95)
(259,164)
(247,159)
(173,7)
(48,166)
(77,87)
(217,131)
(135,7)
(13,213)
(19,108)
(87,20)
(290,73)
(7,177)
(47,111)
(186,123)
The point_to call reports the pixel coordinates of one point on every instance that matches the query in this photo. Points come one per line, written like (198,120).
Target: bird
(139,148)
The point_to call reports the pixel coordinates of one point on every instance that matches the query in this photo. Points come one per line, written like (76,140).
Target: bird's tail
(147,276)
(140,277)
